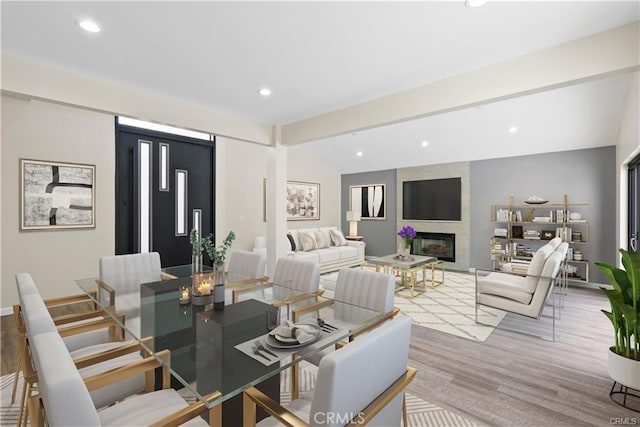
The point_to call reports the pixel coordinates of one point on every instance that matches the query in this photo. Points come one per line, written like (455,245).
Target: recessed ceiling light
(475,3)
(89,25)
(359,154)
(425,143)
(265,91)
(513,129)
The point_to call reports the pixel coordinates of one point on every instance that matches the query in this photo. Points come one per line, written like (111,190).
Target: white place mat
(246,347)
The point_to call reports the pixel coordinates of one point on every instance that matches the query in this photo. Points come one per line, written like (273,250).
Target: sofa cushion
(338,238)
(307,256)
(328,255)
(323,239)
(308,240)
(347,251)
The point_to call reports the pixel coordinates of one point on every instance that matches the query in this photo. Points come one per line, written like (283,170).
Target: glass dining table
(206,345)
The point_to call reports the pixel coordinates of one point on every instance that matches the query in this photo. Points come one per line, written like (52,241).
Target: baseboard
(5,311)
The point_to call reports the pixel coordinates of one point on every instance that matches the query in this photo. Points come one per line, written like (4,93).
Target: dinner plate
(272,341)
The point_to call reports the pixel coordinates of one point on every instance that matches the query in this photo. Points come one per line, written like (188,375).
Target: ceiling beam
(29,79)
(596,56)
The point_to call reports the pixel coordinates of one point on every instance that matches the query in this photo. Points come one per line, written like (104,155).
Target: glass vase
(218,279)
(196,264)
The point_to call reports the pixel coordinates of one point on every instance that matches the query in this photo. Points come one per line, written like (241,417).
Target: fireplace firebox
(439,245)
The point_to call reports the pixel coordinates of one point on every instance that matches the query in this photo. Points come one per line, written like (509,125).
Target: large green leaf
(631,263)
(618,279)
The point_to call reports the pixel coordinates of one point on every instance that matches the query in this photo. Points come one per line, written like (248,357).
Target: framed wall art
(370,200)
(303,201)
(56,195)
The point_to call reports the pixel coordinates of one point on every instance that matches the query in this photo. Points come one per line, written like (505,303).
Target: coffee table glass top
(397,262)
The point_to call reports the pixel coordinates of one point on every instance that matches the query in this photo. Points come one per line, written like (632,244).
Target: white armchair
(362,382)
(522,295)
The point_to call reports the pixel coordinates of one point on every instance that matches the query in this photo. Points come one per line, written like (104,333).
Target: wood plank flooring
(515,379)
(511,379)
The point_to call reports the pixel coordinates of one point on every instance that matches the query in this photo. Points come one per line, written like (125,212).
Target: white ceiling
(321,56)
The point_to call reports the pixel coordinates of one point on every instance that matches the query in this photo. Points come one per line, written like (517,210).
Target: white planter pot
(624,371)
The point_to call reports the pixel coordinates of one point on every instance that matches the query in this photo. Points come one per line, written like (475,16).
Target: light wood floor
(511,379)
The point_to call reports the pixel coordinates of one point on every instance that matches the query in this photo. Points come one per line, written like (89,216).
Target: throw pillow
(321,239)
(308,241)
(338,238)
(292,242)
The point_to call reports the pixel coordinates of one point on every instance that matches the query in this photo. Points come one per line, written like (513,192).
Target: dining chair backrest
(25,286)
(125,274)
(65,397)
(249,264)
(303,276)
(365,288)
(352,377)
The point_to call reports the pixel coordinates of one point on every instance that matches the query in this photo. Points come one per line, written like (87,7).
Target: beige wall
(246,168)
(44,131)
(302,166)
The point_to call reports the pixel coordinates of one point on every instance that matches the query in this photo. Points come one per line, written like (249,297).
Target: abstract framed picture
(303,201)
(56,195)
(370,200)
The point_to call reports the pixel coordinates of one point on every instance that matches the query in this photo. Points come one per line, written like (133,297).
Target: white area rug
(450,307)
(420,412)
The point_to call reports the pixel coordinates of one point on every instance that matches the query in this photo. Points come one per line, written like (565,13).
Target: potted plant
(624,356)
(218,256)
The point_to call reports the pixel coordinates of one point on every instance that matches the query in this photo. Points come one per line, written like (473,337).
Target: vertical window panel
(144,194)
(182,185)
(164,167)
(197,221)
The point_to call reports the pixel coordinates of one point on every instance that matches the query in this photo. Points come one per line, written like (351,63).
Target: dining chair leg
(22,402)
(405,418)
(16,377)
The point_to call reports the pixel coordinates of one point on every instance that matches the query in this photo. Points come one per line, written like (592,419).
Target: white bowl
(575,215)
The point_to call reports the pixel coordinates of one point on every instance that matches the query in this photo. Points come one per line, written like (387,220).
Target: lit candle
(185,294)
(204,288)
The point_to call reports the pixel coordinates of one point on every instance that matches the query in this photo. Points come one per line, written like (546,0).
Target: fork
(256,351)
(261,347)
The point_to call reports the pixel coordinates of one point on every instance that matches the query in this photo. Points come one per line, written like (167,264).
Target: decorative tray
(536,202)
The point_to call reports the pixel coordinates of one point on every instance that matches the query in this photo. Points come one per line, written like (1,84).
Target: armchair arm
(252,397)
(92,359)
(390,315)
(106,322)
(144,366)
(103,287)
(70,318)
(167,276)
(257,280)
(182,416)
(238,292)
(368,413)
(299,298)
(71,299)
(301,311)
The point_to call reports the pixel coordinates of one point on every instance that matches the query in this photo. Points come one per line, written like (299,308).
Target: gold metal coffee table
(407,268)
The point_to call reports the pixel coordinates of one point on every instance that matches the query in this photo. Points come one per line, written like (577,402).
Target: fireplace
(439,245)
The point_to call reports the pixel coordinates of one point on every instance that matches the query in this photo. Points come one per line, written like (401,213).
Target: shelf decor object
(522,228)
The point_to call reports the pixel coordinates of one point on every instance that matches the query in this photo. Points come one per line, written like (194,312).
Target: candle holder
(202,289)
(185,295)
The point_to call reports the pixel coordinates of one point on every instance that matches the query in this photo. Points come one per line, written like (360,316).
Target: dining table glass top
(211,350)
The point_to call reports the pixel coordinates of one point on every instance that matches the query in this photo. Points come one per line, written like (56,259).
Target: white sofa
(331,258)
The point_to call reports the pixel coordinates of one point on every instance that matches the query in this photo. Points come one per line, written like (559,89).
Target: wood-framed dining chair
(358,384)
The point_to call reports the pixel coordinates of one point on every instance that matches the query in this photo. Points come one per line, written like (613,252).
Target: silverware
(263,348)
(257,353)
(324,324)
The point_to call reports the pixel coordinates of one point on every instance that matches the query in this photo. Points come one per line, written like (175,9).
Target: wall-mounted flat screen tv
(432,199)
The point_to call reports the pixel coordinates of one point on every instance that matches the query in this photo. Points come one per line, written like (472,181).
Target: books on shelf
(500,232)
(541,219)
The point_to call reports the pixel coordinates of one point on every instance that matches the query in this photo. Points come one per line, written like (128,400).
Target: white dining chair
(362,383)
